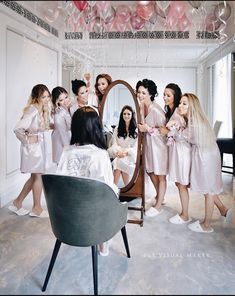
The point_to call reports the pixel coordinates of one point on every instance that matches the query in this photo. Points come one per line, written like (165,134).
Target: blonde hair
(199,126)
(43,110)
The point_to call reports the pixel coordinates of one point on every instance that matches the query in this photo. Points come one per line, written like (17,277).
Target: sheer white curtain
(221,95)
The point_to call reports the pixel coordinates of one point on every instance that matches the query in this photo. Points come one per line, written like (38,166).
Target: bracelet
(151,130)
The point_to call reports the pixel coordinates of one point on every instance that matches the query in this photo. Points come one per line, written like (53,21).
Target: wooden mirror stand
(135,189)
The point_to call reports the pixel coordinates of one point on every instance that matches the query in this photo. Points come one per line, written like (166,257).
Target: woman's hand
(121,154)
(163,130)
(32,139)
(142,127)
(171,123)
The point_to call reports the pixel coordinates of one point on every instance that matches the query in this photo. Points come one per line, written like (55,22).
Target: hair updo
(76,85)
(150,86)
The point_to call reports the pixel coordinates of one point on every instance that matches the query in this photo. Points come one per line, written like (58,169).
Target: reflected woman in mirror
(80,91)
(156,150)
(87,155)
(61,134)
(124,145)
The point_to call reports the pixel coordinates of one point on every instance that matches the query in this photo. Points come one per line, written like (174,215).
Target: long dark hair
(86,128)
(122,125)
(177,96)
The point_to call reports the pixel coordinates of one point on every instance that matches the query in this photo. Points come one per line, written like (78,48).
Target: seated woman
(87,155)
(123,147)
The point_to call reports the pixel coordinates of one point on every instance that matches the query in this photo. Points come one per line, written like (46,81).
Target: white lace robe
(125,164)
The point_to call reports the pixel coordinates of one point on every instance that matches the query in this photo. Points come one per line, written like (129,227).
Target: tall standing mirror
(118,106)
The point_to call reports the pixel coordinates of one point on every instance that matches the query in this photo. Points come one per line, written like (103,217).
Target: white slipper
(104,253)
(44,214)
(151,212)
(178,220)
(229,219)
(19,212)
(195,226)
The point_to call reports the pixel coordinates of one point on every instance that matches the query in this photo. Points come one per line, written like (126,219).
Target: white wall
(27,58)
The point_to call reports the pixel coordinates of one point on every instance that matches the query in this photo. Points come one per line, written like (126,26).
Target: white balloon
(163,4)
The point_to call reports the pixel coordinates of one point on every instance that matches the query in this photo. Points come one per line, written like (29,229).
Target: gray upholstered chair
(83,212)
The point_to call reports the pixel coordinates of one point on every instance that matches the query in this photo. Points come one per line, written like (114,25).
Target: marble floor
(166,259)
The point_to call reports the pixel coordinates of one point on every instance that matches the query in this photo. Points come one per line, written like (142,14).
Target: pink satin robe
(33,158)
(156,150)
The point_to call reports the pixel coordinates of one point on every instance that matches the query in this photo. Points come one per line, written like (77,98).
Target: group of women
(179,143)
(47,110)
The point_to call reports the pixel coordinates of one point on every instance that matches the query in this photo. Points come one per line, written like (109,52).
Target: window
(221,95)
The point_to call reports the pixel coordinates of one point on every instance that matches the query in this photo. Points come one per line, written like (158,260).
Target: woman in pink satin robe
(179,149)
(61,134)
(205,173)
(101,83)
(156,150)
(30,131)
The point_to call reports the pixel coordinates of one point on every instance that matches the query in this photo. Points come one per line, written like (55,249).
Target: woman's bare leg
(209,207)
(221,207)
(155,182)
(28,186)
(37,193)
(116,175)
(184,199)
(125,178)
(160,191)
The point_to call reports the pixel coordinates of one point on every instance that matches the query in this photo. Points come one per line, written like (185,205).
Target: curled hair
(122,125)
(150,86)
(109,80)
(34,99)
(199,127)
(76,85)
(56,92)
(177,93)
(86,128)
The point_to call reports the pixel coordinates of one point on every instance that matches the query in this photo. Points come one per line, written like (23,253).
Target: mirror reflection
(119,121)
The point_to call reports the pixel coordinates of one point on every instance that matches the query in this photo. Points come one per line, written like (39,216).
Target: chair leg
(124,236)
(53,258)
(95,268)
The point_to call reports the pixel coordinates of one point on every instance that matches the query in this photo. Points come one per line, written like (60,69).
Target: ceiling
(129,52)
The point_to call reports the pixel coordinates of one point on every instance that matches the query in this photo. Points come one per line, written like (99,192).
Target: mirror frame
(138,119)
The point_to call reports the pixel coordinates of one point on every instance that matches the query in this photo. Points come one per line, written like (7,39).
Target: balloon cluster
(101,16)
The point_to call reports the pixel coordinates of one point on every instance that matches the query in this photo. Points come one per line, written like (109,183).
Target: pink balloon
(102,6)
(123,13)
(212,23)
(145,11)
(98,25)
(171,21)
(109,27)
(89,14)
(184,23)
(137,22)
(121,27)
(177,8)
(81,5)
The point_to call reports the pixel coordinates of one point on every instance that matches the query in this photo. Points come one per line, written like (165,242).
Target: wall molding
(179,35)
